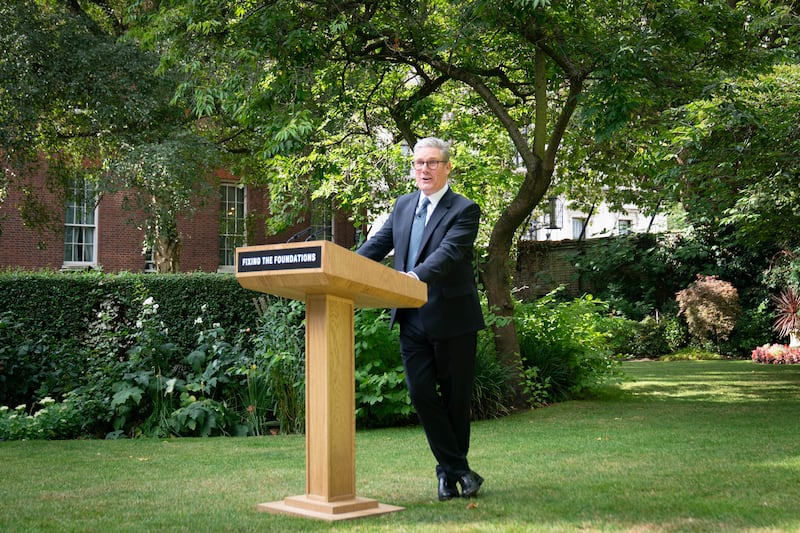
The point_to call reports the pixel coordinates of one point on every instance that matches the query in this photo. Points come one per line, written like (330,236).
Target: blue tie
(416,234)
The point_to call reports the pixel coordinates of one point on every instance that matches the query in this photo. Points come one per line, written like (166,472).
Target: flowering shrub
(53,420)
(776,354)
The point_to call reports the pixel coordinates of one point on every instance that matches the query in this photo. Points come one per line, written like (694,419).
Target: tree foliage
(77,96)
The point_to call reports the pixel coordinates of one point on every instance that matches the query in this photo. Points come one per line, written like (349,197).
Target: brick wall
(21,245)
(544,265)
(120,240)
(119,230)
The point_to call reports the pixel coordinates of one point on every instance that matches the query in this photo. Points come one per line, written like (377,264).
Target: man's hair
(434,142)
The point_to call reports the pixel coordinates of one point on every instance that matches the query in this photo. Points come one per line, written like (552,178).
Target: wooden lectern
(332,281)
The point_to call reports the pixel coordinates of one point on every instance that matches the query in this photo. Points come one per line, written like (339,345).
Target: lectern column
(330,400)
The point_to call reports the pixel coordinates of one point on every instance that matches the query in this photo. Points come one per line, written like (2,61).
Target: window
(577,227)
(231,223)
(321,221)
(80,226)
(624,227)
(149,262)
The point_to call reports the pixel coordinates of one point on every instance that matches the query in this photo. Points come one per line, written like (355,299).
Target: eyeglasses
(431,164)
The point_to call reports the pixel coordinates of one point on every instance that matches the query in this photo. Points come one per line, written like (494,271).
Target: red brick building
(84,232)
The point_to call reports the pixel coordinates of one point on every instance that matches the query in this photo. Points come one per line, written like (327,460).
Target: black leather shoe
(470,484)
(447,489)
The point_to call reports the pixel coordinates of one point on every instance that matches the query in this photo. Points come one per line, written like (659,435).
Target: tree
(307,78)
(78,96)
(741,144)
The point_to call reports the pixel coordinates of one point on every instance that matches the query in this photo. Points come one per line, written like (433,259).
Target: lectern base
(338,510)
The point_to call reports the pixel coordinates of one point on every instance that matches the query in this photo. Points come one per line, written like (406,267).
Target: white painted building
(560,222)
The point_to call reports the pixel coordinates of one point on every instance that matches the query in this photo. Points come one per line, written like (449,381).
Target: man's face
(430,180)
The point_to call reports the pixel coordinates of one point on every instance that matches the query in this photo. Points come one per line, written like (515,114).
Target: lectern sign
(281,259)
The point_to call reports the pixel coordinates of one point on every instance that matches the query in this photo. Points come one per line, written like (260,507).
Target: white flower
(215,325)
(47,400)
(198,320)
(203,307)
(3,408)
(20,407)
(148,301)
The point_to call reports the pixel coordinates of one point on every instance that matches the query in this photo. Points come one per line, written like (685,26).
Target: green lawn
(683,446)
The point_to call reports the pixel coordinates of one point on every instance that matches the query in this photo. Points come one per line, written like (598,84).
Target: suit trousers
(440,374)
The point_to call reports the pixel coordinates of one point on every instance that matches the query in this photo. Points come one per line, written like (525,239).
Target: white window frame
(578,225)
(239,224)
(85,192)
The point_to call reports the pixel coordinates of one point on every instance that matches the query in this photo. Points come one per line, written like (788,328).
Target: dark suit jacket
(445,260)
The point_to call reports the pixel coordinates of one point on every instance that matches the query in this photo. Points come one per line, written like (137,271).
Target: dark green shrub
(632,339)
(19,358)
(648,340)
(752,329)
(491,395)
(639,274)
(119,371)
(621,335)
(676,334)
(51,420)
(66,305)
(66,325)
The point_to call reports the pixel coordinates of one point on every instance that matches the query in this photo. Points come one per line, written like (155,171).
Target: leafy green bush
(568,344)
(381,394)
(632,339)
(492,394)
(157,397)
(64,305)
(123,374)
(279,352)
(752,329)
(639,275)
(53,420)
(57,328)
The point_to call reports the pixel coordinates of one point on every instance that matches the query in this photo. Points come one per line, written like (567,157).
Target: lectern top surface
(296,270)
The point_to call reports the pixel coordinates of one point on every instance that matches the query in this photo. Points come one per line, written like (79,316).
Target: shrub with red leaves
(710,307)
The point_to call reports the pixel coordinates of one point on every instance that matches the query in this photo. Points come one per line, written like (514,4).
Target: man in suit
(438,341)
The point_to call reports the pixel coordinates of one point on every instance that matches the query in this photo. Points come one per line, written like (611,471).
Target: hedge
(63,305)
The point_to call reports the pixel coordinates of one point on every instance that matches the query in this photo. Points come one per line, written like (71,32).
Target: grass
(682,446)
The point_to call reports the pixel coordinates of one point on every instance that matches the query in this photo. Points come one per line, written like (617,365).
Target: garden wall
(545,265)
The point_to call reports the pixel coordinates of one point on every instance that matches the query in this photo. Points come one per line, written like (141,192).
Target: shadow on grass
(714,381)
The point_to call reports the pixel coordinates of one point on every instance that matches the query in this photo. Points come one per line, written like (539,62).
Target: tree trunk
(166,255)
(497,283)
(497,278)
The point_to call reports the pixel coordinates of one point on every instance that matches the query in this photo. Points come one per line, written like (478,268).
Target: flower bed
(776,354)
